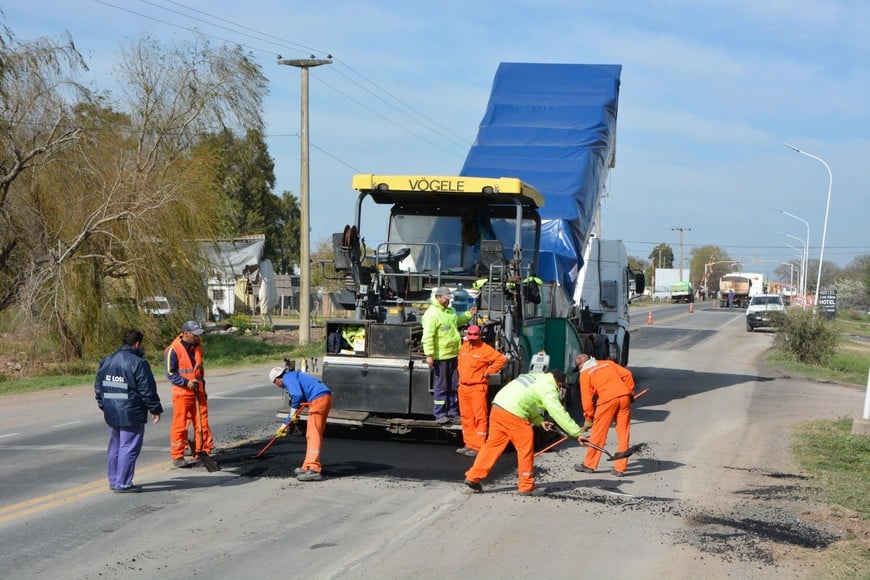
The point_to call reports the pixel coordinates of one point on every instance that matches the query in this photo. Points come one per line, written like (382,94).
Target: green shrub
(808,337)
(240,321)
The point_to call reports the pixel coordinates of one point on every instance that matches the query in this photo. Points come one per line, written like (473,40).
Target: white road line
(9,435)
(67,424)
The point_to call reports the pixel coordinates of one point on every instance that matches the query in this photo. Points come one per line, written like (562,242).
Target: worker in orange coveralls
(185,371)
(515,408)
(607,392)
(477,361)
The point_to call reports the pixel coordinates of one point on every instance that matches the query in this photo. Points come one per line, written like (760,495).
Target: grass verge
(220,351)
(838,464)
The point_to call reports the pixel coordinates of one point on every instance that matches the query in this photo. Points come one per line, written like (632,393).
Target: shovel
(619,454)
(207,460)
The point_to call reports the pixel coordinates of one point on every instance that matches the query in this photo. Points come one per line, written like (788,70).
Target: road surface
(714,494)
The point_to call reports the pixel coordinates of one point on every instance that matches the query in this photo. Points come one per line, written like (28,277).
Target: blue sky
(710,91)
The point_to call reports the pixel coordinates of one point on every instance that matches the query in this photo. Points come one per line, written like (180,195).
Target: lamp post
(800,255)
(805,259)
(805,264)
(304,228)
(827,209)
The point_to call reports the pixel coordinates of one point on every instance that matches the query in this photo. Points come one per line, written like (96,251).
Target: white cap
(275,373)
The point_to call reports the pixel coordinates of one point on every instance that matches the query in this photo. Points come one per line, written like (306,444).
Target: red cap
(473,331)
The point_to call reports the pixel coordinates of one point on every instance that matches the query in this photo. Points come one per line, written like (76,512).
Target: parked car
(763,310)
(157,306)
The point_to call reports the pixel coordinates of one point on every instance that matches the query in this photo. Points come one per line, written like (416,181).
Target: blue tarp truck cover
(554,127)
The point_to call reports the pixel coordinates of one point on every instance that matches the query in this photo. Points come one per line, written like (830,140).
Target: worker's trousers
(184,414)
(506,427)
(472,413)
(619,409)
(318,411)
(444,388)
(125,443)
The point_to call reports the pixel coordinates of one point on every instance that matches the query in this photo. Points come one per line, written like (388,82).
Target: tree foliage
(708,265)
(246,174)
(104,198)
(662,256)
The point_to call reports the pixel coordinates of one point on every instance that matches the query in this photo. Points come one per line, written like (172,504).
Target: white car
(762,309)
(156,306)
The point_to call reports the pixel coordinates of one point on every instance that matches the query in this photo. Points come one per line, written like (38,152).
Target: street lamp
(805,259)
(827,209)
(800,255)
(304,213)
(805,264)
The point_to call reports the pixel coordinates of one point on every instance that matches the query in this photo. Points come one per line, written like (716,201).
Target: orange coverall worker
(606,392)
(515,409)
(305,389)
(477,361)
(185,371)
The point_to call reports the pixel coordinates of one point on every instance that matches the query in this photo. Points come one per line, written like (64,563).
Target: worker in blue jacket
(305,390)
(126,392)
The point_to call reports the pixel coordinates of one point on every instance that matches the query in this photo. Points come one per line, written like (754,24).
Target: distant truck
(745,286)
(682,292)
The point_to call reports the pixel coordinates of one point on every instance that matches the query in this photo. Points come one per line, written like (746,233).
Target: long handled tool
(275,438)
(207,460)
(551,445)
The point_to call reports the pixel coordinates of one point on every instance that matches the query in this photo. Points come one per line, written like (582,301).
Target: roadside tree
(121,205)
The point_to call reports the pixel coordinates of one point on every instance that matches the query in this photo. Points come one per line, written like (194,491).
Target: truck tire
(748,327)
(623,354)
(602,347)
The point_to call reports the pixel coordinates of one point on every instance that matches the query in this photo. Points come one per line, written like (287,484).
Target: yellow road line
(52,500)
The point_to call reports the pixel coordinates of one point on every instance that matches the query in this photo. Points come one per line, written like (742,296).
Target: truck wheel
(623,355)
(602,347)
(748,327)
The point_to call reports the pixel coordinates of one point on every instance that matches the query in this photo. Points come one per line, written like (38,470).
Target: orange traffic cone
(649,318)
(691,308)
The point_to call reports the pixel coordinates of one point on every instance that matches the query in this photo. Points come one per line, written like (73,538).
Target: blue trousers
(125,443)
(445,389)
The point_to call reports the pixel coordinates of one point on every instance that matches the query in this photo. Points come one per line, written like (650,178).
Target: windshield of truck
(454,240)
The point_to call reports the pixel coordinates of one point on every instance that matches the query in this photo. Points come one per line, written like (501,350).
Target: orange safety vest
(187,368)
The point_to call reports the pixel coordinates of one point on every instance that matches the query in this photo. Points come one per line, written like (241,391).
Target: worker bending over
(304,389)
(515,408)
(606,391)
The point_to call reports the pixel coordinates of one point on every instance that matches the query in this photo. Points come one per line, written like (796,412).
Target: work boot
(298,471)
(309,475)
(181,462)
(617,473)
(471,452)
(443,420)
(130,489)
(583,469)
(463,450)
(474,485)
(535,492)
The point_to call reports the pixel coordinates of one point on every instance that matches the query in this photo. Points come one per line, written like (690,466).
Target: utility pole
(304,227)
(681,230)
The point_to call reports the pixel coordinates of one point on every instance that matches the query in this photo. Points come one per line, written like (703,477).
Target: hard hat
(275,373)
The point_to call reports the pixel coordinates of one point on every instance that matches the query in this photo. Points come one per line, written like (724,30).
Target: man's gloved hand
(281,431)
(294,415)
(587,425)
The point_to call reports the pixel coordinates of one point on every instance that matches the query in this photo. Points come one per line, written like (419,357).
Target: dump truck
(524,253)
(744,284)
(682,292)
